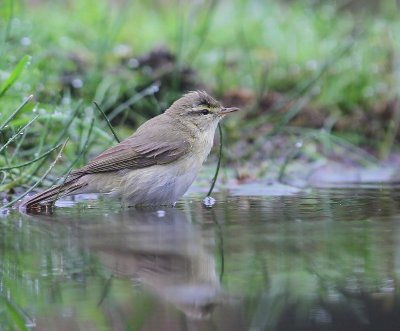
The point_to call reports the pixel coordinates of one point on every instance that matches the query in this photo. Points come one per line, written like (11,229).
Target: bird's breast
(204,143)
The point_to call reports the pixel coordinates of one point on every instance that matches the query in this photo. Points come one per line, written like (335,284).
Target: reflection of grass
(320,260)
(304,257)
(315,57)
(34,272)
(336,285)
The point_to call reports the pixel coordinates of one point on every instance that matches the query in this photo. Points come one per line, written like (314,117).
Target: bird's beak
(225,111)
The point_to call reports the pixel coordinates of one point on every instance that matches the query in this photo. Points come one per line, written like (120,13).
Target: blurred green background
(324,73)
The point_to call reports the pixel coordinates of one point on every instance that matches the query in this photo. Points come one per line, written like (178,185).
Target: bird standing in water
(154,166)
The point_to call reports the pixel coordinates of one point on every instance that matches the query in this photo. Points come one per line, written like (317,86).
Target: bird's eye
(205,111)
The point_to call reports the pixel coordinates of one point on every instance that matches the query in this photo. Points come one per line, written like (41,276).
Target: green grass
(331,63)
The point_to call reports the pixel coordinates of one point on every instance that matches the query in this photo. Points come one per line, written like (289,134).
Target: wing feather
(145,148)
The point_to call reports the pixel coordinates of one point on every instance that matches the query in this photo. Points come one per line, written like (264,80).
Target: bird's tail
(51,194)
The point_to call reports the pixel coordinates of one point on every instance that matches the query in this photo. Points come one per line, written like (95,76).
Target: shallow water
(325,259)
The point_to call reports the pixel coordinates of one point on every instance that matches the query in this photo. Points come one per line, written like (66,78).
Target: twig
(219,161)
(105,291)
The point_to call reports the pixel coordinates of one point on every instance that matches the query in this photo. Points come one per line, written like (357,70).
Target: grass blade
(108,121)
(153,88)
(82,151)
(16,315)
(16,111)
(60,137)
(31,161)
(14,74)
(39,180)
(18,132)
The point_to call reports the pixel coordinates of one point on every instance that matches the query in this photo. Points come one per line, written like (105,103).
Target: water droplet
(133,63)
(77,83)
(25,41)
(208,202)
(160,213)
(153,89)
(4,212)
(122,50)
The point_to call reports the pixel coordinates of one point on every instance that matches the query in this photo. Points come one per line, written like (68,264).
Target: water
(325,259)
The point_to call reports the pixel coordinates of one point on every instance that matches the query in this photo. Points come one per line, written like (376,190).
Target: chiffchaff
(154,166)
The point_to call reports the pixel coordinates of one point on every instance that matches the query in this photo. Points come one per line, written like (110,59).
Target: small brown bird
(154,166)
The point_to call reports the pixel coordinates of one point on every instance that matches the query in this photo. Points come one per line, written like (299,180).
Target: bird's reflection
(159,248)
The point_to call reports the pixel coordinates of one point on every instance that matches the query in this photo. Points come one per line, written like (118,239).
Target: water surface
(324,259)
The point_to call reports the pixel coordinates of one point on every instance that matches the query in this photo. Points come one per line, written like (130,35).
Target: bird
(155,165)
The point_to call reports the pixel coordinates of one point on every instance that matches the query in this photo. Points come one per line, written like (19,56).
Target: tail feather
(52,194)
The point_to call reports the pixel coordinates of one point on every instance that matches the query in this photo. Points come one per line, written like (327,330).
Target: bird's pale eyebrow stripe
(205,103)
(201,106)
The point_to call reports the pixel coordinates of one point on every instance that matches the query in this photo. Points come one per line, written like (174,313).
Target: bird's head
(200,109)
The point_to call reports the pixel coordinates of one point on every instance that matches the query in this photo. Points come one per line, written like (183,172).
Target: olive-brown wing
(139,151)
